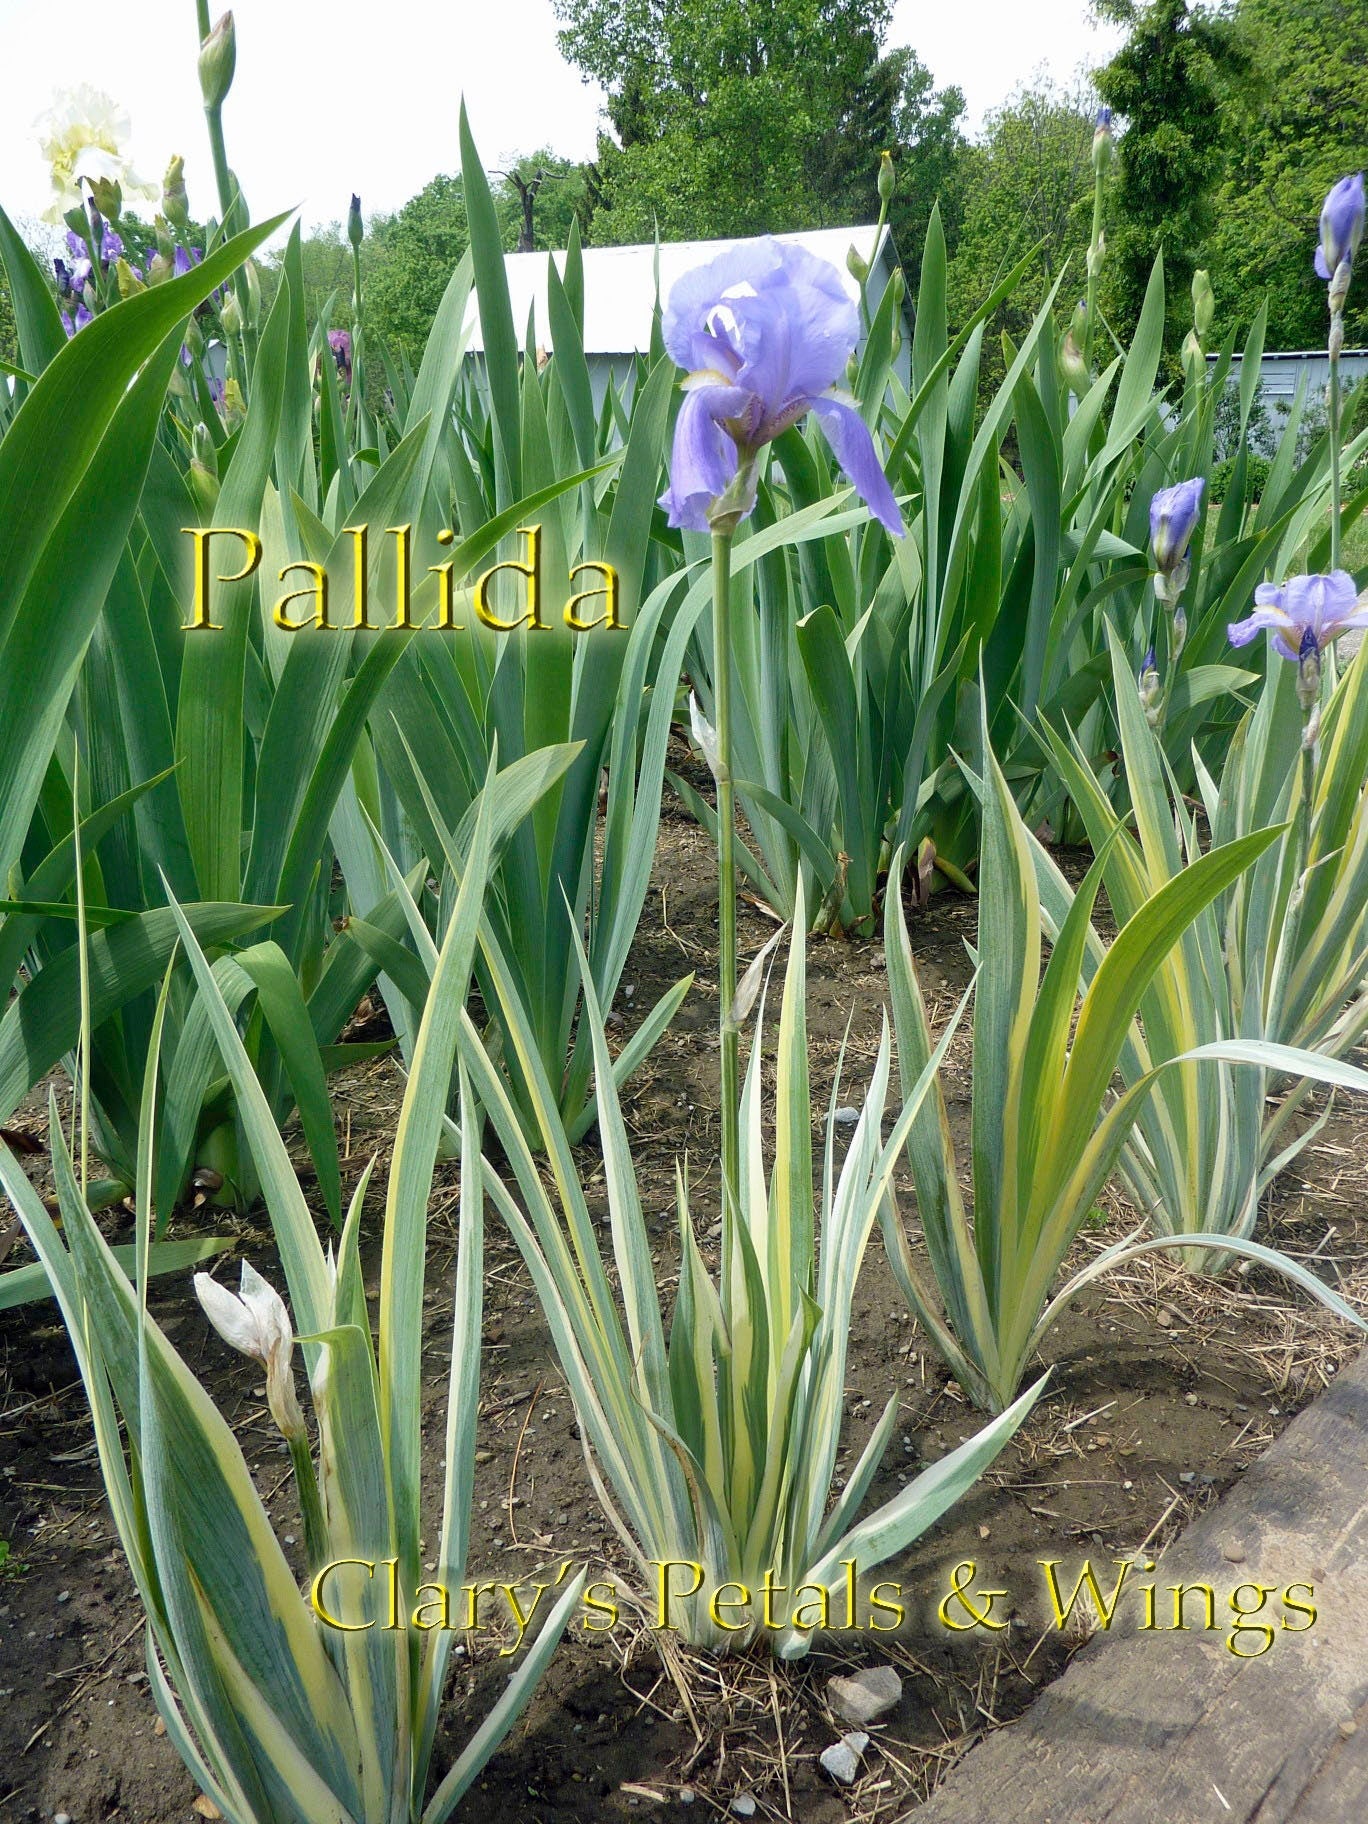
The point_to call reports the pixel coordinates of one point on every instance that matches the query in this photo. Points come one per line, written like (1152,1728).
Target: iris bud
(355,227)
(217,61)
(230,315)
(175,203)
(1203,302)
(886,179)
(1103,144)
(130,284)
(856,265)
(253,277)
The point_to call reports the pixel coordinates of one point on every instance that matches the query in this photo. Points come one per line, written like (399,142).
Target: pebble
(846,1117)
(1348,1727)
(61,1817)
(862,1696)
(1233,1554)
(743,1805)
(1188,1475)
(842,1759)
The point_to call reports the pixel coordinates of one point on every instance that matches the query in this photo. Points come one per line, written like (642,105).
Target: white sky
(363,94)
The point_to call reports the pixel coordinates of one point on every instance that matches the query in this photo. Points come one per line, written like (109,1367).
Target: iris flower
(1341,226)
(1301,610)
(1173,519)
(762,332)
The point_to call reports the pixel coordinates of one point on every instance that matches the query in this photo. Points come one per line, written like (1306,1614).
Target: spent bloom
(340,342)
(762,332)
(254,1320)
(1304,611)
(82,138)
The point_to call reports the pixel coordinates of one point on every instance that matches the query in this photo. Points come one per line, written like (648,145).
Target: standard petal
(697,293)
(704,456)
(849,437)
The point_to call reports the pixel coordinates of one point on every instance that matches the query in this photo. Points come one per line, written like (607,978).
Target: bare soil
(1164,1389)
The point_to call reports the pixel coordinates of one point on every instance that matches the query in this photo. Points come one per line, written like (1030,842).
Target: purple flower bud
(1102,139)
(355,226)
(1150,662)
(83,316)
(63,276)
(1341,225)
(1173,519)
(181,262)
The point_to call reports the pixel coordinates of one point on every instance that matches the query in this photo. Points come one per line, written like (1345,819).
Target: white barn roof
(620,284)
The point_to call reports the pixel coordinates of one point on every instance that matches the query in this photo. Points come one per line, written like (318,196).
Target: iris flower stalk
(762,332)
(1174,513)
(217,62)
(1341,230)
(1102,148)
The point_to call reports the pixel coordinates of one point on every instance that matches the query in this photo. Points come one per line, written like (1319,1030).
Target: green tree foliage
(1300,127)
(734,119)
(1029,183)
(407,258)
(9,339)
(1174,82)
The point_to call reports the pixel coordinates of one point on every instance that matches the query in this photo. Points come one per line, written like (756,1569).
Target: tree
(412,253)
(1175,81)
(1299,128)
(1029,183)
(755,116)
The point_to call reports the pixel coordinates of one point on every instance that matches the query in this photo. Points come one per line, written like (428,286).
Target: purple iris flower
(111,245)
(1104,118)
(83,316)
(63,276)
(68,326)
(340,342)
(80,275)
(1302,610)
(181,262)
(1173,519)
(76,247)
(1341,225)
(762,332)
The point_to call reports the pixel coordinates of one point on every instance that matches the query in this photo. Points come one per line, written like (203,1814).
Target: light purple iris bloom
(1304,608)
(1341,225)
(111,245)
(1173,519)
(762,332)
(76,247)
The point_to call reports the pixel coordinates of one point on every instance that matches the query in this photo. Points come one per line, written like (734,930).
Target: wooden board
(1170,1728)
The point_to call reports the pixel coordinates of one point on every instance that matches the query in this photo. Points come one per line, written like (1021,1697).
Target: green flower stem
(1335,480)
(311,1507)
(223,177)
(726,872)
(358,379)
(1094,266)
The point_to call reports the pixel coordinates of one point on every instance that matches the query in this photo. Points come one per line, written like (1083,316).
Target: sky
(324,103)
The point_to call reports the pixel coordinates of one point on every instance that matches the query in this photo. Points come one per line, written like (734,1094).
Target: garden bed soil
(1164,1389)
